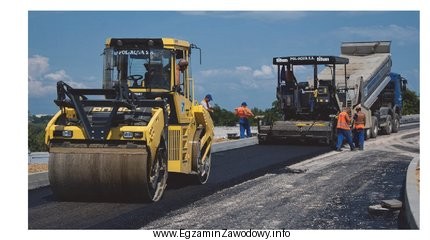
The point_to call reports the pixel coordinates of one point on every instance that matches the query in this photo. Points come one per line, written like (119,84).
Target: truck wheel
(388,127)
(396,123)
(374,129)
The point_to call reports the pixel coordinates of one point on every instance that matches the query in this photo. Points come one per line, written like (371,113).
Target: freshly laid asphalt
(262,186)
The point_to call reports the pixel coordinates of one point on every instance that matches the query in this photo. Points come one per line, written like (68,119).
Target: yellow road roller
(119,142)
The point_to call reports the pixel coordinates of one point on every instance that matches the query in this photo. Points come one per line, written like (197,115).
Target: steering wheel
(135,78)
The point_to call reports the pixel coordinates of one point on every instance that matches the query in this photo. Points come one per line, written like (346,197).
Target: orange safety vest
(360,121)
(343,121)
(243,112)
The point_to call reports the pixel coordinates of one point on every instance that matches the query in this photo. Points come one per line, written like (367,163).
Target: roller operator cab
(119,142)
(308,107)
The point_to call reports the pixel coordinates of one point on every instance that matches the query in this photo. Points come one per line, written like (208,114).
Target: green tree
(36,132)
(36,137)
(223,117)
(411,103)
(274,113)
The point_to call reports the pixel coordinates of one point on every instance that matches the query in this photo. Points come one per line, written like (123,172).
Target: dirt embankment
(37,167)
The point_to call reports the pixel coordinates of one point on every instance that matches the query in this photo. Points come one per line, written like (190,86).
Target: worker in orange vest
(344,130)
(243,112)
(359,123)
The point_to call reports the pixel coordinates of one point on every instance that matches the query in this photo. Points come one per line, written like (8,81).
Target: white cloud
(243,69)
(60,75)
(215,72)
(233,85)
(41,80)
(241,77)
(39,89)
(37,66)
(264,72)
(399,34)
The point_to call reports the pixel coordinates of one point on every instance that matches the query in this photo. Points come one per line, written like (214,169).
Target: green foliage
(36,136)
(36,133)
(274,113)
(223,117)
(411,103)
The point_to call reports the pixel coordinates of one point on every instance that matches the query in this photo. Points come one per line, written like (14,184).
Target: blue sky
(237,46)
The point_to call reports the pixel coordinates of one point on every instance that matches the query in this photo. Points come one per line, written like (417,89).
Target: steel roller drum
(104,174)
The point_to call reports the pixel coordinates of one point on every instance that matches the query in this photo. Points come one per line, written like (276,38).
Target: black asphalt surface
(235,172)
(228,169)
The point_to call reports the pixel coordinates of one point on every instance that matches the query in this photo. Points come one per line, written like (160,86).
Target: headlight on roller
(127,135)
(130,135)
(67,133)
(63,133)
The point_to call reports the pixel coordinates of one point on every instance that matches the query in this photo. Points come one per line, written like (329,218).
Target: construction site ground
(293,187)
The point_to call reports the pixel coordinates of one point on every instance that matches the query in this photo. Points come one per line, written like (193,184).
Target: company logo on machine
(323,59)
(310,58)
(109,109)
(281,60)
(302,58)
(131,52)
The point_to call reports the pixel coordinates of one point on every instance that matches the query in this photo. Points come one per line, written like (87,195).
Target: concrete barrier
(410,118)
(37,180)
(412,197)
(233,144)
(38,157)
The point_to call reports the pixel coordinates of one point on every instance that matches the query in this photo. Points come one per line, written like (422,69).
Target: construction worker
(243,112)
(359,123)
(313,99)
(343,129)
(179,68)
(205,103)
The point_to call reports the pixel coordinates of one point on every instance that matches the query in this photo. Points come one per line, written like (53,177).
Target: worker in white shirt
(205,103)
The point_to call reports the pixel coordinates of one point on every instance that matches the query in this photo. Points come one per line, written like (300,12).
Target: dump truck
(360,76)
(374,86)
(119,142)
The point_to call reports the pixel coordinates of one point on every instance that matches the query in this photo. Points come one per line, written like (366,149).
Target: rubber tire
(374,131)
(396,123)
(156,193)
(196,156)
(389,127)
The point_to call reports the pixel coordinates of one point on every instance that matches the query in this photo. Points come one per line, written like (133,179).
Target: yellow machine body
(148,124)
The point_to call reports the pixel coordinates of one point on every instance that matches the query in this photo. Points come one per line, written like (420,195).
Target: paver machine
(360,76)
(120,142)
(308,107)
